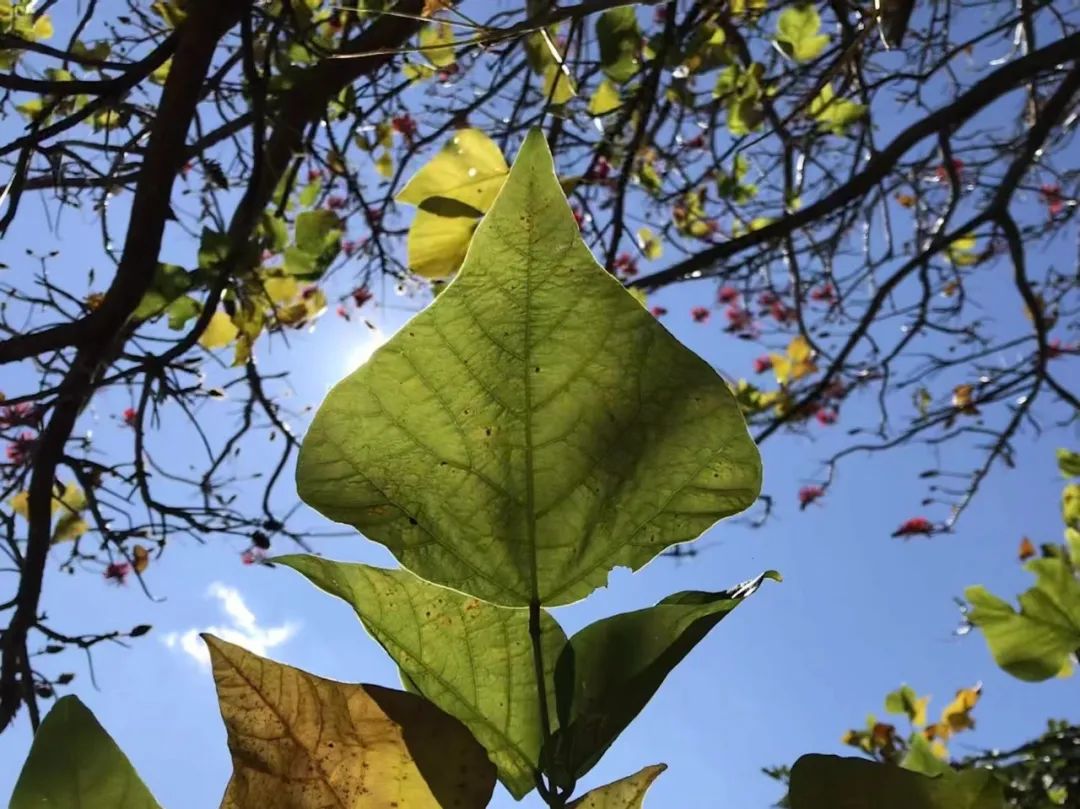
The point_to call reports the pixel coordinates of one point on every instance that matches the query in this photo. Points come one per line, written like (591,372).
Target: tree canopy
(879,200)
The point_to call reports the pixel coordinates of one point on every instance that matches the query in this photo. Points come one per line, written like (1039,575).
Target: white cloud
(243,629)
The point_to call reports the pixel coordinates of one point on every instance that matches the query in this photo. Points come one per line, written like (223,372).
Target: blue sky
(857,615)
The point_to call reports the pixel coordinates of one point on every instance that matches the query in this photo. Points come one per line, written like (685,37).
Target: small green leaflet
(1034,643)
(626,793)
(798,33)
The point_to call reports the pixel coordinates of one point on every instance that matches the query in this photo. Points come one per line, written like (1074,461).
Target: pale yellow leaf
(626,793)
(220,331)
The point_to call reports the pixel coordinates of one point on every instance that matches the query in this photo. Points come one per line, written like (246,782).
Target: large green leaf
(1034,643)
(832,782)
(469,657)
(300,741)
(626,793)
(619,37)
(612,668)
(534,427)
(73,763)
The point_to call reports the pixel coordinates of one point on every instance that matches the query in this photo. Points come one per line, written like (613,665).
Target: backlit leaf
(797,363)
(612,668)
(169,283)
(834,114)
(905,701)
(74,762)
(626,793)
(543,427)
(559,85)
(219,332)
(437,43)
(436,245)
(832,782)
(619,37)
(604,99)
(469,169)
(469,657)
(1069,463)
(298,740)
(1034,643)
(650,244)
(798,33)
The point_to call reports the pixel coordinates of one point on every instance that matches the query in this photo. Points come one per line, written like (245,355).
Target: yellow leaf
(384,164)
(558,85)
(605,99)
(649,243)
(20,504)
(797,363)
(469,169)
(220,331)
(939,750)
(436,245)
(298,740)
(280,288)
(956,716)
(71,503)
(961,251)
(43,28)
(437,43)
(161,73)
(626,793)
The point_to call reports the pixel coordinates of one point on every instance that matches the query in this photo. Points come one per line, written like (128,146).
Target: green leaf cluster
(1041,639)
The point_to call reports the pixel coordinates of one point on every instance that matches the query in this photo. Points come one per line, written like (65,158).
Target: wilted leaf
(626,793)
(611,669)
(298,740)
(1026,549)
(832,782)
(533,451)
(74,762)
(1034,643)
(956,716)
(427,630)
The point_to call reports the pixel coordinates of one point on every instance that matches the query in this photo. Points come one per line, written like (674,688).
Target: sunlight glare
(373,338)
